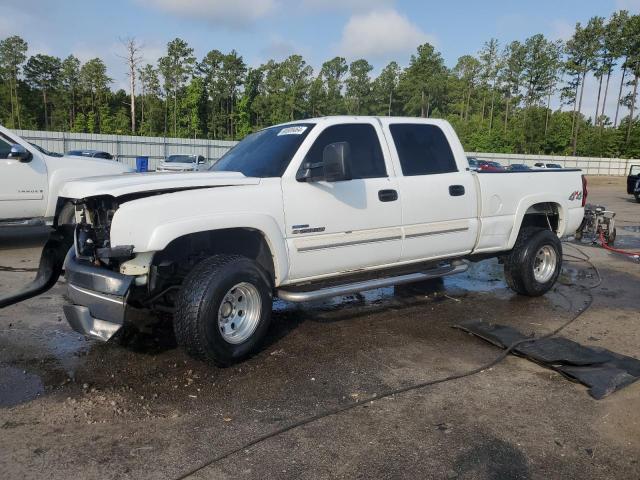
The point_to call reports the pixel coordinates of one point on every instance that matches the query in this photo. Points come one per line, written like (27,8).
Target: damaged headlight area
(93,218)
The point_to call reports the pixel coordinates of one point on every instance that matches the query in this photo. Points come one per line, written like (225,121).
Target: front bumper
(98,298)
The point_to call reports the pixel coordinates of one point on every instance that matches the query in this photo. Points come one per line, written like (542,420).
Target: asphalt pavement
(76,408)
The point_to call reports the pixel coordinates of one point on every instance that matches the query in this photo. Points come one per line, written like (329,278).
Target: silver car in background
(183,163)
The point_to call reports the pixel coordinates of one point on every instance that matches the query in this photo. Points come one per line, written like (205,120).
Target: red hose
(616,250)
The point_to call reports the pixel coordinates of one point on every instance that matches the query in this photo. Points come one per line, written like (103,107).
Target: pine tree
(176,68)
(358,87)
(13,53)
(42,72)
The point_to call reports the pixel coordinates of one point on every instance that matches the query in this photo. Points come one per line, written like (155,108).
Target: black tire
(200,298)
(519,264)
(637,198)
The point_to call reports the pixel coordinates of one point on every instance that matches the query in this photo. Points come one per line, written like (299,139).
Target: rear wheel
(533,266)
(224,309)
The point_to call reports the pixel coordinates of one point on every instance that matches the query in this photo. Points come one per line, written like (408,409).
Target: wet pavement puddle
(18,386)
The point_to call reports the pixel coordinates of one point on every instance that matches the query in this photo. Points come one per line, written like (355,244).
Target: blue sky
(378,30)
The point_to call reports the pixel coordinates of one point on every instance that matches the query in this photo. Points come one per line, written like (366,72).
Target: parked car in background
(488,166)
(473,163)
(633,185)
(90,153)
(547,165)
(30,179)
(518,167)
(183,163)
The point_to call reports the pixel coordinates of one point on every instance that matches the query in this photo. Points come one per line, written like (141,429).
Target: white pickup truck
(30,179)
(304,211)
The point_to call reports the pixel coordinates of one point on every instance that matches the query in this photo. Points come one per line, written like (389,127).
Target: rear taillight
(585,192)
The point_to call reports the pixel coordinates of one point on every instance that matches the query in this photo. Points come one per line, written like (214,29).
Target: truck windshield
(266,153)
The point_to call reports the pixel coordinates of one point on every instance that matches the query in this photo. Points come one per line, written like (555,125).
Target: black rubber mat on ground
(603,371)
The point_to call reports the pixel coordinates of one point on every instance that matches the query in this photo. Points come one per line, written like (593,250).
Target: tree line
(499,100)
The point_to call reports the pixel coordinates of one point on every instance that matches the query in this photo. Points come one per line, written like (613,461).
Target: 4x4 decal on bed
(577,195)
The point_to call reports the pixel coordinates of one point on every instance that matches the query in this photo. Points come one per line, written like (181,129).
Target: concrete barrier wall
(126,148)
(590,165)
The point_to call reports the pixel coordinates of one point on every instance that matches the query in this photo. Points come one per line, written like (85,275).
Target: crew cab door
(23,185)
(439,203)
(335,227)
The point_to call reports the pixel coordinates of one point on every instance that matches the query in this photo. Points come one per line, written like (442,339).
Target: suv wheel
(533,266)
(224,309)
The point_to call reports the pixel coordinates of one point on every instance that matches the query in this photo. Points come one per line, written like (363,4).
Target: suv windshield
(181,159)
(266,153)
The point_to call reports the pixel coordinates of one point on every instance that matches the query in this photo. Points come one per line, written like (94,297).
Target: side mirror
(336,161)
(18,152)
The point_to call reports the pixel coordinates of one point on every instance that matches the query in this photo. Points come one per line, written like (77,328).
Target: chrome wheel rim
(239,313)
(545,263)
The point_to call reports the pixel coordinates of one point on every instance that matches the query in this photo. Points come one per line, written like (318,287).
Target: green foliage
(195,104)
(358,88)
(384,91)
(497,100)
(13,53)
(422,84)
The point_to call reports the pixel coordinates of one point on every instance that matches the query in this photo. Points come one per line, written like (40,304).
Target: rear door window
(422,149)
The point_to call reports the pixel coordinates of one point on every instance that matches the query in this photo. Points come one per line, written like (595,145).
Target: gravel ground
(76,408)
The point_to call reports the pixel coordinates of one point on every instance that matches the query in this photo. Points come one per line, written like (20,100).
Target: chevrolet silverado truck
(303,211)
(30,180)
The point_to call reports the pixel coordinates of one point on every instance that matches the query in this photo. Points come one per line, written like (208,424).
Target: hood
(88,160)
(130,183)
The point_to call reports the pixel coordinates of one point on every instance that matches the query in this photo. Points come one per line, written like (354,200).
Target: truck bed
(506,196)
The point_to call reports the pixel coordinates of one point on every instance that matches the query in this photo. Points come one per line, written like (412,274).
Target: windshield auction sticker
(292,131)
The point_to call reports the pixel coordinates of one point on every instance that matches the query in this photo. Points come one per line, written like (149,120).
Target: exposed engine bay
(93,218)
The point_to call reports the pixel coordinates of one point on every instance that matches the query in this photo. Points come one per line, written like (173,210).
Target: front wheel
(533,266)
(223,310)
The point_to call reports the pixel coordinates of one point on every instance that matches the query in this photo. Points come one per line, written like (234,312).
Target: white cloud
(233,13)
(379,34)
(357,5)
(632,5)
(280,48)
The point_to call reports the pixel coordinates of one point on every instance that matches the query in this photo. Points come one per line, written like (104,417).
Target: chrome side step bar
(24,222)
(457,266)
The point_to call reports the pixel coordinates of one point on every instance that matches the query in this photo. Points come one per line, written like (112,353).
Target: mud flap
(603,371)
(50,268)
